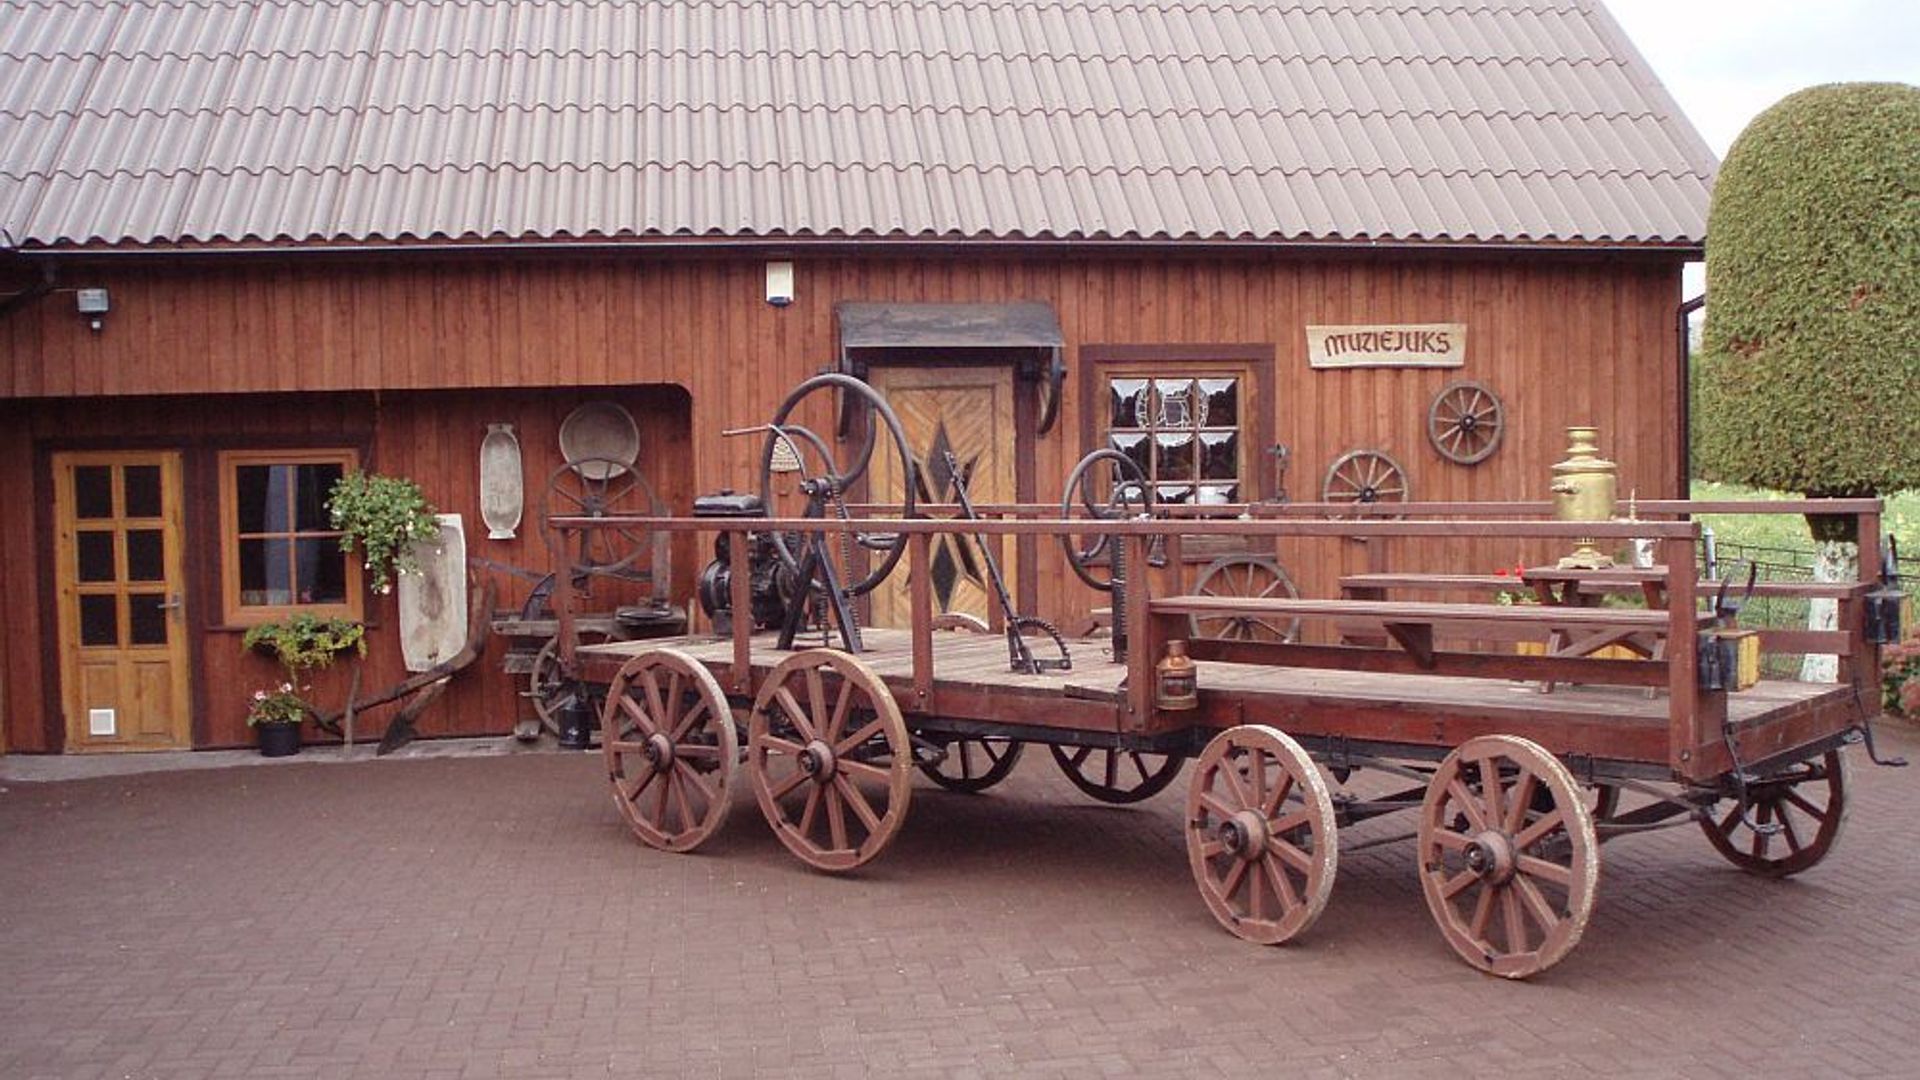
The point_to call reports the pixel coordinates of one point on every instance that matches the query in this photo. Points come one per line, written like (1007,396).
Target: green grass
(1902,520)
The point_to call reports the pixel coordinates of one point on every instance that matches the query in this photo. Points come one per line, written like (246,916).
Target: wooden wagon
(1513,765)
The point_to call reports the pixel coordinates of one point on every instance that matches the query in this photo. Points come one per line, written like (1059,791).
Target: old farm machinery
(1512,768)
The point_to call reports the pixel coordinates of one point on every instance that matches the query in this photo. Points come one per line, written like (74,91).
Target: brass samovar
(1585,488)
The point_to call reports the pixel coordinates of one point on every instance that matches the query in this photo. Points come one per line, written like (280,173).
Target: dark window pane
(250,497)
(1125,398)
(93,491)
(1219,455)
(1219,493)
(99,620)
(95,551)
(1173,457)
(142,490)
(265,573)
(321,572)
(312,483)
(1135,446)
(146,555)
(146,619)
(1173,494)
(1220,402)
(1174,403)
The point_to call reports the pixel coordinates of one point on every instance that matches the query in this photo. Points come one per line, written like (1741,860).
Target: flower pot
(278,740)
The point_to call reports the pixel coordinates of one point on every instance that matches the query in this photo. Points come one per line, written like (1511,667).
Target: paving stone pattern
(492,918)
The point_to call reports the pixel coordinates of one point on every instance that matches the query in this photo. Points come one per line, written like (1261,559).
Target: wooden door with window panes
(120,597)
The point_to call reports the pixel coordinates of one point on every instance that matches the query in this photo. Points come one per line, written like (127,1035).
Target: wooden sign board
(1441,345)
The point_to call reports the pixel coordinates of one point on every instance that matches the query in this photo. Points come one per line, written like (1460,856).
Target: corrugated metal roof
(182,121)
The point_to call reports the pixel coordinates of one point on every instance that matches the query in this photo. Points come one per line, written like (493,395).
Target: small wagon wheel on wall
(1465,422)
(598,488)
(1365,476)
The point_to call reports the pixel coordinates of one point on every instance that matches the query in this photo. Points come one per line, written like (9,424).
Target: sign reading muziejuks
(1414,345)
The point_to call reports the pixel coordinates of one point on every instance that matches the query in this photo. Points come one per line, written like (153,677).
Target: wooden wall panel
(451,344)
(433,436)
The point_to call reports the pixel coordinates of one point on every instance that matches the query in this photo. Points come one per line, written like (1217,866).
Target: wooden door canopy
(1025,335)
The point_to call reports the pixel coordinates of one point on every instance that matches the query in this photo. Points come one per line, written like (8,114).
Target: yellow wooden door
(122,619)
(968,411)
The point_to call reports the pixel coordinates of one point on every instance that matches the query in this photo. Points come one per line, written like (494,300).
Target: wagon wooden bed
(1513,789)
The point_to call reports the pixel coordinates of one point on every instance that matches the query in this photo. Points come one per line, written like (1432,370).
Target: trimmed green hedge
(1809,379)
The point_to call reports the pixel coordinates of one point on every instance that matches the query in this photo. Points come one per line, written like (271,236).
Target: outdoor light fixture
(779,283)
(93,305)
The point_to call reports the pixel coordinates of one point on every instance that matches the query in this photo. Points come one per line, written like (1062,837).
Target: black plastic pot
(278,740)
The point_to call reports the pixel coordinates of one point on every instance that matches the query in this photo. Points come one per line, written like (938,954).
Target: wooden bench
(1591,582)
(1577,633)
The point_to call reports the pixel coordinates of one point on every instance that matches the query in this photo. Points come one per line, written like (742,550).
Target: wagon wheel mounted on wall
(1245,576)
(598,488)
(1261,834)
(1365,476)
(1117,776)
(829,758)
(1465,422)
(1507,855)
(1807,802)
(670,744)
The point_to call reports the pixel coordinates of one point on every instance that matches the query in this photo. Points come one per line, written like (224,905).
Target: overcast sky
(1726,60)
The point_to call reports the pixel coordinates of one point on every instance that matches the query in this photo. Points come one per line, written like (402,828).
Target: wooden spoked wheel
(1245,577)
(1117,776)
(1261,834)
(828,755)
(671,747)
(1465,422)
(598,488)
(1807,801)
(1508,857)
(974,765)
(1365,476)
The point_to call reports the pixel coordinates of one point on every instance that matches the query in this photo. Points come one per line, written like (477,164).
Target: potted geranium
(382,517)
(302,645)
(276,716)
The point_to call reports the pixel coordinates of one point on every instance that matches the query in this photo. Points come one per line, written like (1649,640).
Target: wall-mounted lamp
(93,305)
(779,283)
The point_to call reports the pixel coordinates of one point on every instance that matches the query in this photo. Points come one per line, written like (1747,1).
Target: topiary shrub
(1809,378)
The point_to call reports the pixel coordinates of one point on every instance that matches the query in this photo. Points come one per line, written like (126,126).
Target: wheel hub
(658,750)
(1244,835)
(817,761)
(1490,855)
(1369,494)
(1469,422)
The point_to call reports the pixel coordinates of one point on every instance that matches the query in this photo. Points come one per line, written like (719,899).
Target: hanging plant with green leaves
(306,642)
(382,517)
(303,643)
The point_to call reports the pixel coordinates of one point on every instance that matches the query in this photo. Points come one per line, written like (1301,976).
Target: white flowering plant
(382,517)
(281,706)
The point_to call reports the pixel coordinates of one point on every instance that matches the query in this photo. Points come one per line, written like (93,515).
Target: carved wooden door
(966,412)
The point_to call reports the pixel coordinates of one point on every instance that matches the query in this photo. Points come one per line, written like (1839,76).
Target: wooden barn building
(250,246)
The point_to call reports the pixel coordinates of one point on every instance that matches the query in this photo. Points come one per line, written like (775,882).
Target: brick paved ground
(491,917)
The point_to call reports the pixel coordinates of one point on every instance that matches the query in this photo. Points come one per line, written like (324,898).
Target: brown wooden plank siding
(1562,340)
